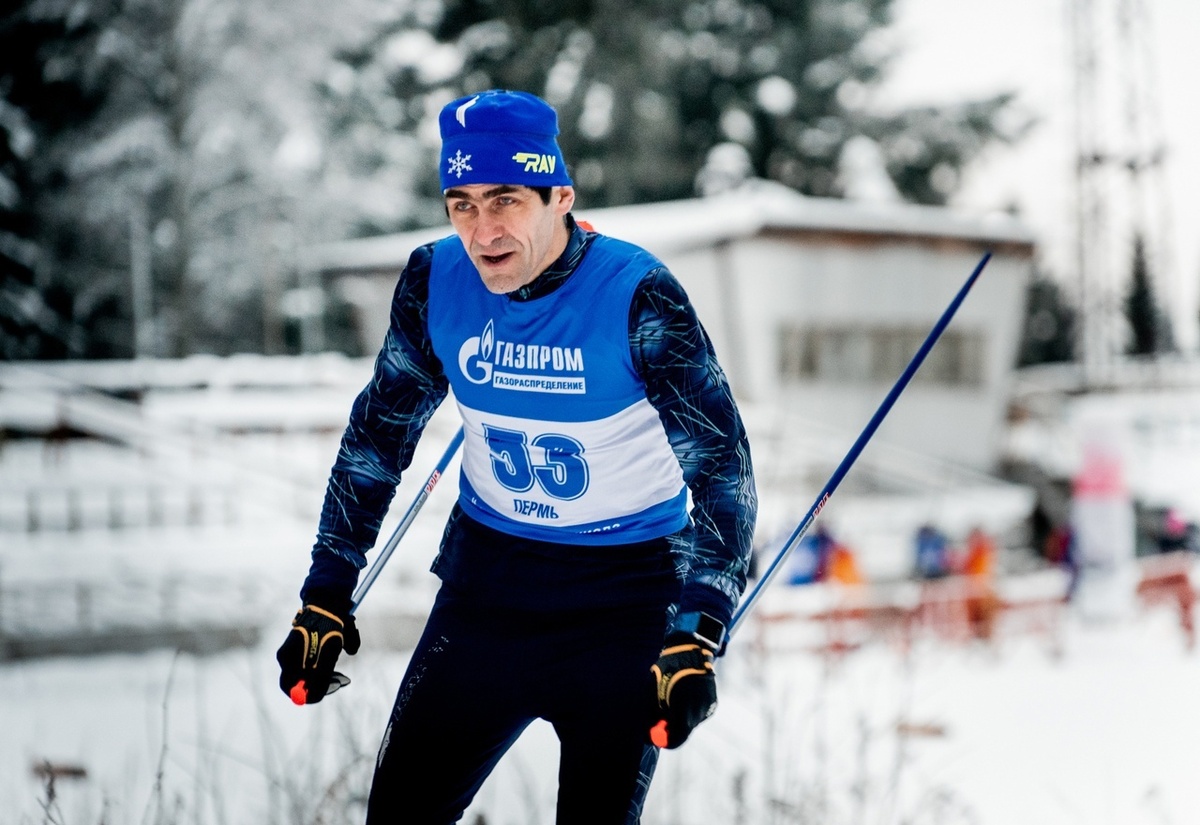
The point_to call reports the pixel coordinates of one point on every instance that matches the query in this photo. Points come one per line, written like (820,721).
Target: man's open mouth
(496,259)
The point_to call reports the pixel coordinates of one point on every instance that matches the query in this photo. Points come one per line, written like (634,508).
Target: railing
(200,613)
(835,619)
(116,506)
(175,446)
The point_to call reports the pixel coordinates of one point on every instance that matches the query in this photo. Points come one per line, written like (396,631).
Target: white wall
(745,293)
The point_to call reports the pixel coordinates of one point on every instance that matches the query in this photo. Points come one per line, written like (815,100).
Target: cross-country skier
(576,586)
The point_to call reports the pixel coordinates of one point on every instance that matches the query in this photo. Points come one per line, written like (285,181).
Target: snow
(1055,720)
(1007,733)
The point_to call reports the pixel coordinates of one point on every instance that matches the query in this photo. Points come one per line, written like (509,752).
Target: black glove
(687,689)
(306,658)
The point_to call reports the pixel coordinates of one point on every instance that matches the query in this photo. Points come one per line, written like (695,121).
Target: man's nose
(489,229)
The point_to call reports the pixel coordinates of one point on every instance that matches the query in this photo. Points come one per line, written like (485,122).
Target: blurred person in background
(932,553)
(839,564)
(1177,533)
(979,566)
(808,558)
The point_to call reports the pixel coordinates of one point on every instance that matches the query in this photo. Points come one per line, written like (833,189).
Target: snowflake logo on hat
(458,164)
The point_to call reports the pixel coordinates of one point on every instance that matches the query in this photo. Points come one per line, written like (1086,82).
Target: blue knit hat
(500,136)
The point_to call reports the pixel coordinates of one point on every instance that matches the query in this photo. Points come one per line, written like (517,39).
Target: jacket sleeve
(684,382)
(386,421)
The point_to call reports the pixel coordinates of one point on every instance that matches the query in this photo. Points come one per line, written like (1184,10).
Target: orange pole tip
(299,693)
(658,734)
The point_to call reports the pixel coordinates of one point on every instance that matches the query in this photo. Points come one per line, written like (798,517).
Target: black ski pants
(481,674)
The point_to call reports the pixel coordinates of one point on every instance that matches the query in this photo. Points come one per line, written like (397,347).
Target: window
(854,354)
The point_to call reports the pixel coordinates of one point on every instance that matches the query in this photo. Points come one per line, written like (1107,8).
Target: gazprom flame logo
(475,356)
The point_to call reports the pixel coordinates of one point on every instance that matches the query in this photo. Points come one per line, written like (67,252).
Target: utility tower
(1119,175)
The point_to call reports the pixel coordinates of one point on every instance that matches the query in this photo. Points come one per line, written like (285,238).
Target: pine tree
(1141,310)
(1048,333)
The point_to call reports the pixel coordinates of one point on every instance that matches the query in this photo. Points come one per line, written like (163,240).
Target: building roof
(757,208)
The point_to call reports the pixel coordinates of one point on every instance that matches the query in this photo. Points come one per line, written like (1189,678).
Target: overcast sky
(954,49)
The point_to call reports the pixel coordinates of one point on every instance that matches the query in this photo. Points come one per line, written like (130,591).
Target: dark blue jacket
(684,382)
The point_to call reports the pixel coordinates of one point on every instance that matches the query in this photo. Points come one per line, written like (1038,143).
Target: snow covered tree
(164,162)
(46,87)
(174,166)
(175,160)
(380,98)
(648,90)
(100,87)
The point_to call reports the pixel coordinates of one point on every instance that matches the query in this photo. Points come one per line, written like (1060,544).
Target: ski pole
(748,603)
(360,592)
(299,692)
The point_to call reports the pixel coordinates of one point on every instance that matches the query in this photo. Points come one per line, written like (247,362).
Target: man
(575,587)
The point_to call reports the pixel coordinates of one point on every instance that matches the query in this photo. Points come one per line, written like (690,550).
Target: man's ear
(563,199)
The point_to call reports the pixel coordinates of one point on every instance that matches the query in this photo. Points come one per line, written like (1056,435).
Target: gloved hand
(687,689)
(306,658)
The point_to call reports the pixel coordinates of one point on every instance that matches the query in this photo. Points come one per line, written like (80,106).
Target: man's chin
(499,279)
(500,283)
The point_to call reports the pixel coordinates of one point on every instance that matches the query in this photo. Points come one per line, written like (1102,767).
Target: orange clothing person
(980,556)
(979,565)
(841,566)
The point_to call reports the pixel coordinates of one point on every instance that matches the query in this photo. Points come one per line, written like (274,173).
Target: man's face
(509,234)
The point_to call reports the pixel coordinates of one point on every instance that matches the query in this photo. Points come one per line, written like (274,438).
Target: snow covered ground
(1096,724)
(1105,732)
